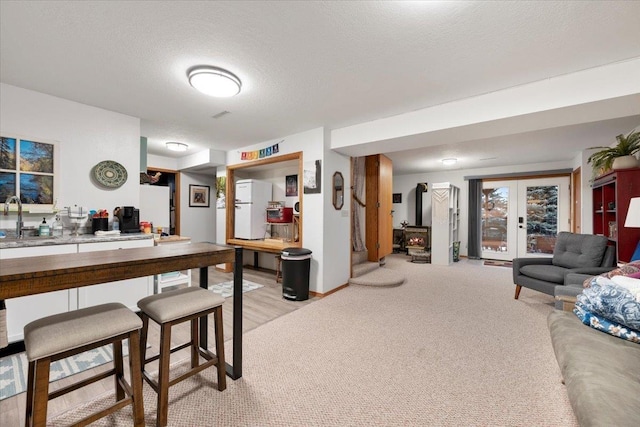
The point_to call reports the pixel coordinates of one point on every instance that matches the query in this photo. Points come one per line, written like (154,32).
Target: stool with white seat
(171,308)
(62,335)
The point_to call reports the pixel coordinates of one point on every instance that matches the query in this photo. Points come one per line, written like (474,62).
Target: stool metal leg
(31,373)
(143,338)
(221,367)
(195,343)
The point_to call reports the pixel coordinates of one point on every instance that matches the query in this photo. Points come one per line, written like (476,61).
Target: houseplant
(620,156)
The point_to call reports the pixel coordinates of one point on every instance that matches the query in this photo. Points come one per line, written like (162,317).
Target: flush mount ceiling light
(214,81)
(177,146)
(449,162)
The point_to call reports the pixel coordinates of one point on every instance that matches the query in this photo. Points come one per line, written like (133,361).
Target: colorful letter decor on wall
(259,154)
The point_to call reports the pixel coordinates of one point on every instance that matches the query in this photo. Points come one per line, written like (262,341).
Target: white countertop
(32,241)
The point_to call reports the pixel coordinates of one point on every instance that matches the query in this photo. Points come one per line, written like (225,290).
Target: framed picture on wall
(397,197)
(291,185)
(198,196)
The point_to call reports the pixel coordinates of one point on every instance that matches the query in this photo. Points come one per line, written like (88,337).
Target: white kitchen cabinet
(174,278)
(127,292)
(23,310)
(445,221)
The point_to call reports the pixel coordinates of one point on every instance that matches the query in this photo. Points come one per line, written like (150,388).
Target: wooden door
(576,207)
(379,219)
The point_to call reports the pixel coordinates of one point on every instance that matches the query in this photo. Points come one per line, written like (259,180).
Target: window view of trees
(26,168)
(495,209)
(542,218)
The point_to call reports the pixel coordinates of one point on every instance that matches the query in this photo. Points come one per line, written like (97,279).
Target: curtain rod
(520,174)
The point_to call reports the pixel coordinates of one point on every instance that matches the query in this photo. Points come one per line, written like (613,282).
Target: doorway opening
(170,178)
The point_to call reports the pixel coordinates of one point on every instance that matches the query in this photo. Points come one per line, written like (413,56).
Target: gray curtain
(475,224)
(357,207)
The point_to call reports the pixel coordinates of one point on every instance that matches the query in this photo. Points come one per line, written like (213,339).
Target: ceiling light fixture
(214,81)
(177,146)
(449,162)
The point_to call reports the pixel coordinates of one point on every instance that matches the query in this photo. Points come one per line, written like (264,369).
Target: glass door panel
(498,230)
(543,206)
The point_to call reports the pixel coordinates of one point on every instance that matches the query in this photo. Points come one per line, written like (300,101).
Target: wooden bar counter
(35,275)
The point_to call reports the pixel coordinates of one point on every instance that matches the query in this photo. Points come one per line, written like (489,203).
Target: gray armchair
(574,253)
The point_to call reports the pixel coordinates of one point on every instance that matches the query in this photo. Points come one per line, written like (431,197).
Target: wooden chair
(278,269)
(62,335)
(171,308)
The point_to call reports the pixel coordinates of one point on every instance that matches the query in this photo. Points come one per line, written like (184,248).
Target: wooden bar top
(34,275)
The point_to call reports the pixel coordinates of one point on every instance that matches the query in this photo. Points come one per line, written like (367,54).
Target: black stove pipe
(420,188)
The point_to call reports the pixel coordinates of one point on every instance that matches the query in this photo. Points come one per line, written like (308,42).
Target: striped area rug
(13,369)
(498,263)
(225,289)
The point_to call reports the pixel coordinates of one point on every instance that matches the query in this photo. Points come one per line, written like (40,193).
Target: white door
(543,211)
(522,217)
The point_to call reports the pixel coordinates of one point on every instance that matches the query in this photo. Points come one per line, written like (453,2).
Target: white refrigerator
(252,200)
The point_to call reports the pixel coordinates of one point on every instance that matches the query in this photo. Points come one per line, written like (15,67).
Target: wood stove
(417,238)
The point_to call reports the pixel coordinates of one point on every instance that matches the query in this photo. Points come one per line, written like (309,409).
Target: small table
(421,257)
(568,302)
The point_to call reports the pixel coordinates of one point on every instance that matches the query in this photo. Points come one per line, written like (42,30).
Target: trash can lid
(295,251)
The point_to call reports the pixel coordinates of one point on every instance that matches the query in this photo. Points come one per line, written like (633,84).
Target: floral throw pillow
(628,269)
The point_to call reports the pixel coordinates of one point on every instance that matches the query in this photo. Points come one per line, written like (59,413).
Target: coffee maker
(129,218)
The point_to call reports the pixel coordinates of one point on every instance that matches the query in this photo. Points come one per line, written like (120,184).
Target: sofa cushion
(579,250)
(548,273)
(601,372)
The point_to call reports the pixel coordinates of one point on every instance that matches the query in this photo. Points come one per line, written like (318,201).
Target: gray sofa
(601,372)
(573,253)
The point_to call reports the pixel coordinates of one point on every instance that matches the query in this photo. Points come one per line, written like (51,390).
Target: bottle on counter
(57,229)
(116,223)
(44,229)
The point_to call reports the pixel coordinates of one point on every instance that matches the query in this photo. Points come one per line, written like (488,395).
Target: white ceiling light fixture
(177,146)
(449,162)
(214,81)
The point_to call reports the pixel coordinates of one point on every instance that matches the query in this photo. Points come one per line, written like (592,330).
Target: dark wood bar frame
(35,275)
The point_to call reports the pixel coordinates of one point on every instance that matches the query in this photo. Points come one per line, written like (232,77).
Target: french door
(522,217)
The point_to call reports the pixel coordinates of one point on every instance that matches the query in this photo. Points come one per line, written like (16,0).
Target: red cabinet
(611,195)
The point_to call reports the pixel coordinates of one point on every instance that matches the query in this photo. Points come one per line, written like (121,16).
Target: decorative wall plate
(110,174)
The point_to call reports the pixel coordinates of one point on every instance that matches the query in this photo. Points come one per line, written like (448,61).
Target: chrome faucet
(19,224)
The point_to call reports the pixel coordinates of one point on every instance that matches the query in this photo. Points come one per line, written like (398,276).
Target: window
(27,169)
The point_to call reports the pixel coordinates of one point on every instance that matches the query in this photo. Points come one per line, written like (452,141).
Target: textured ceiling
(304,64)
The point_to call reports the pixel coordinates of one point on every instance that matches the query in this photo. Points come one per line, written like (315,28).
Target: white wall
(406,185)
(86,136)
(161,162)
(197,222)
(337,223)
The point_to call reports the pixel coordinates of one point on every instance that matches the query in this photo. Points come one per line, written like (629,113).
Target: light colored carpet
(225,289)
(380,276)
(450,347)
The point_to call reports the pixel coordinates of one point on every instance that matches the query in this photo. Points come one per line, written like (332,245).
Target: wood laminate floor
(259,306)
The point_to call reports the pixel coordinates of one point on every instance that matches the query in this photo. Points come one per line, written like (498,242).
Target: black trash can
(296,263)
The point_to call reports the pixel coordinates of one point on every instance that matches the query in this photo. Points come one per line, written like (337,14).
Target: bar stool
(62,335)
(171,308)
(278,269)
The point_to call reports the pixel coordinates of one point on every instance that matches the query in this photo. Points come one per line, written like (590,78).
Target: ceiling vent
(220,114)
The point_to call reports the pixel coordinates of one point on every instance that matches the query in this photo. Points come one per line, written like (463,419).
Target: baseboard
(318,294)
